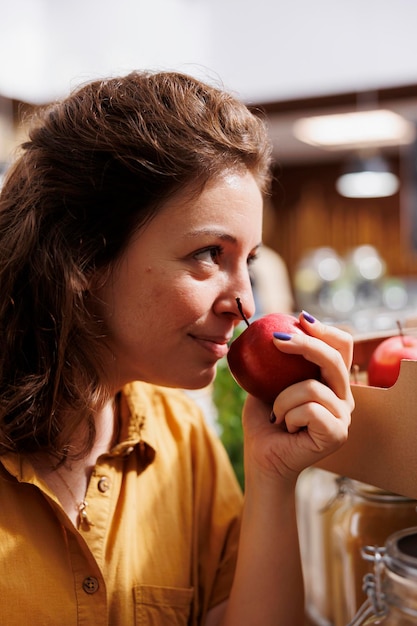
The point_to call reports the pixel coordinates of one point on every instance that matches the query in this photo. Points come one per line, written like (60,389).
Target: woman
(127,228)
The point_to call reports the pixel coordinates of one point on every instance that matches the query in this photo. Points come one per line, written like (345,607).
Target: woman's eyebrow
(211,232)
(216,234)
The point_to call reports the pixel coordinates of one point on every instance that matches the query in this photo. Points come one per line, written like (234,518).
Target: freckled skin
(169,305)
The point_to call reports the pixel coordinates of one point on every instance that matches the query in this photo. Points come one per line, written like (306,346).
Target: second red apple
(385,362)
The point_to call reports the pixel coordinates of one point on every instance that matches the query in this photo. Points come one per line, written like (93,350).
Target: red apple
(385,361)
(259,367)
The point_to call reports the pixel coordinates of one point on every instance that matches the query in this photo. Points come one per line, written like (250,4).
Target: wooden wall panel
(308,213)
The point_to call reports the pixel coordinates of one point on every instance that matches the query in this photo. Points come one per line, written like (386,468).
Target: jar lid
(375,493)
(401,552)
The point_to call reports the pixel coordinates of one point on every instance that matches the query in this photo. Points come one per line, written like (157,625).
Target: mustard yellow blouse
(164,506)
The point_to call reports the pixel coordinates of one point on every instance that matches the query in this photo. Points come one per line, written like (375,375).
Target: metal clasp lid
(375,604)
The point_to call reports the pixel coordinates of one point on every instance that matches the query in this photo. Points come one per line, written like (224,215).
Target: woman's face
(169,306)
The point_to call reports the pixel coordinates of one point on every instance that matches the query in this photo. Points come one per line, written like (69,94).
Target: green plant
(229,398)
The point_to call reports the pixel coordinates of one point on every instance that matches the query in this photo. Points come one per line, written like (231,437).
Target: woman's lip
(216,346)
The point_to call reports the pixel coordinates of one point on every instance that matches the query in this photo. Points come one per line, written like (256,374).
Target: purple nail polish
(308,317)
(272,418)
(282,336)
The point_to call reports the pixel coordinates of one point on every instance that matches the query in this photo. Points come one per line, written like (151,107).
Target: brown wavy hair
(96,167)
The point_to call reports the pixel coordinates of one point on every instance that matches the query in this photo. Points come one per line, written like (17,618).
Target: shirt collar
(137,429)
(136,424)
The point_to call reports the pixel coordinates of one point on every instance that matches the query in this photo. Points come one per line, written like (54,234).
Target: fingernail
(308,317)
(272,418)
(282,336)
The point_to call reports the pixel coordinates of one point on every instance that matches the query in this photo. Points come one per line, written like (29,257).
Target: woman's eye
(209,255)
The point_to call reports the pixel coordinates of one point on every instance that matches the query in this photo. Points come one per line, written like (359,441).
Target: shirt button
(90,584)
(103,484)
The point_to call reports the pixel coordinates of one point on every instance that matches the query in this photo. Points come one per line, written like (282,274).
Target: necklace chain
(81,507)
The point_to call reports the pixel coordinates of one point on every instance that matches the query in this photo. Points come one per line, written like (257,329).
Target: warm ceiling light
(367,178)
(358,129)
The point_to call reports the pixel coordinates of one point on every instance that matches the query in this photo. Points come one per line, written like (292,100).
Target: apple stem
(400,330)
(239,306)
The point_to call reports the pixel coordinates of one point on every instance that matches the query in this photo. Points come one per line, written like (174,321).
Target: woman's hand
(309,419)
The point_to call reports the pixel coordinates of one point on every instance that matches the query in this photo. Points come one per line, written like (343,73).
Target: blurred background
(347,253)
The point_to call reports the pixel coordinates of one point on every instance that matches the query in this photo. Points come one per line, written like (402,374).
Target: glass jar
(367,517)
(392,589)
(318,495)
